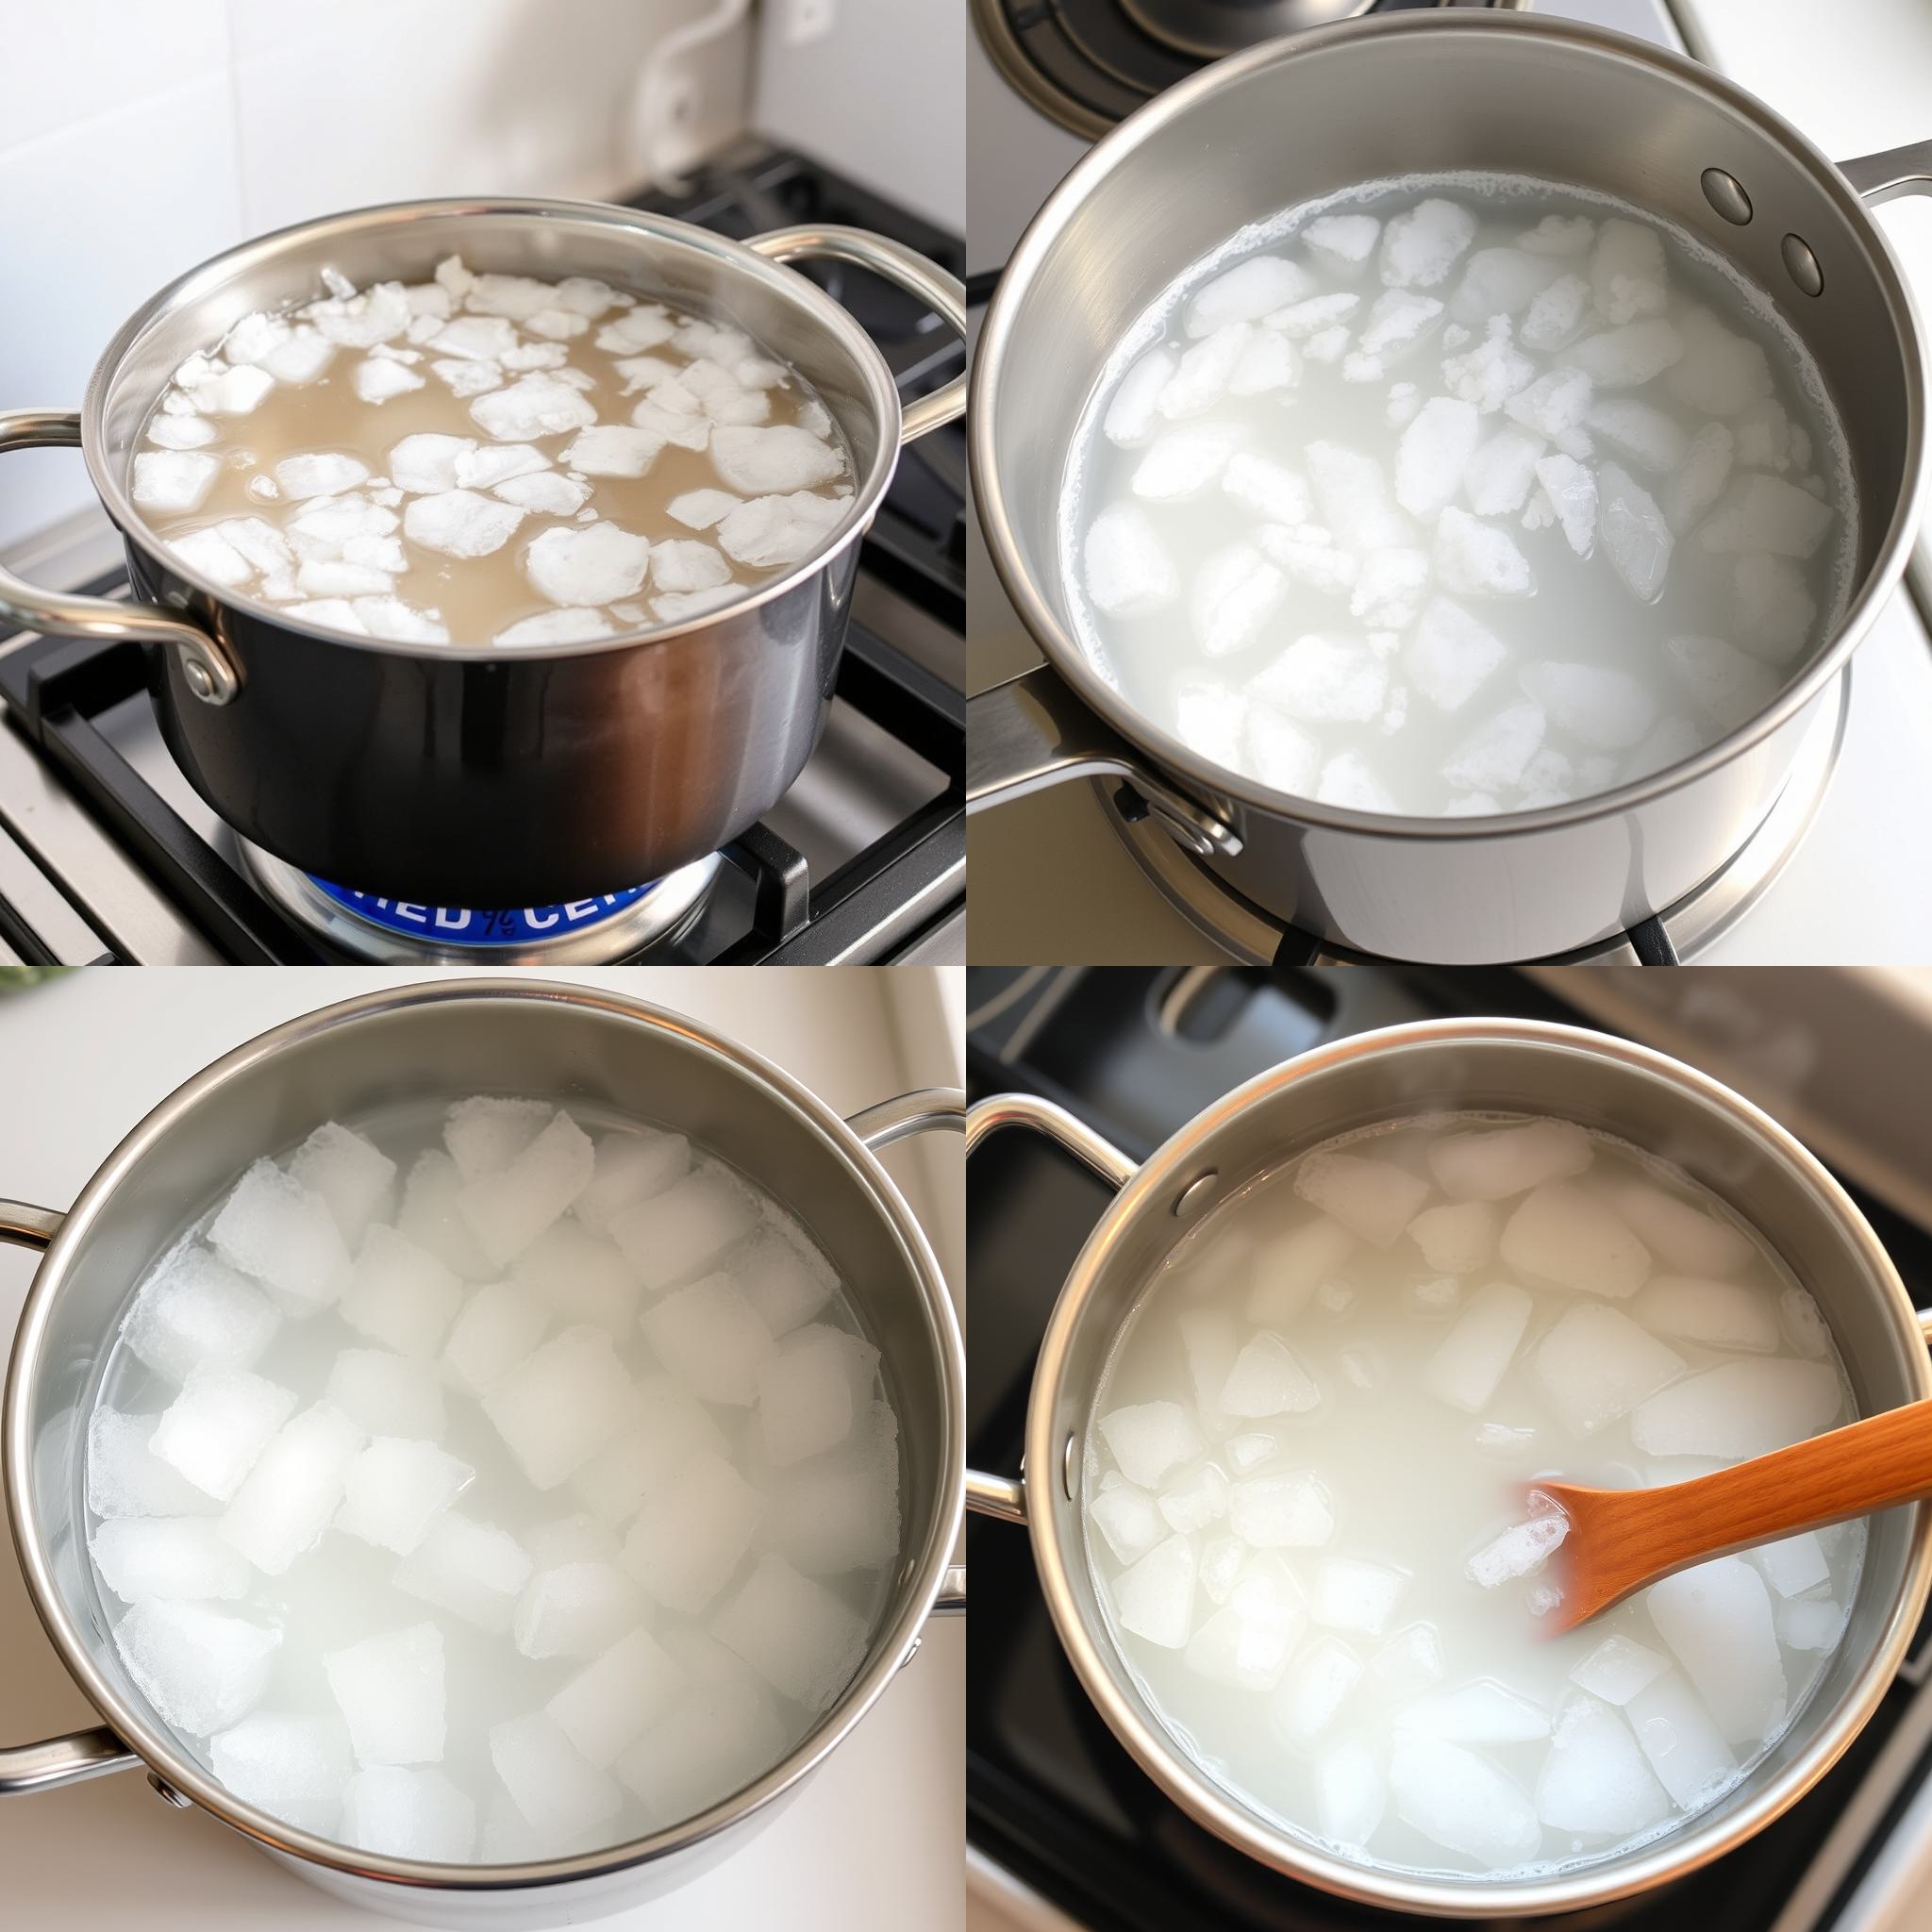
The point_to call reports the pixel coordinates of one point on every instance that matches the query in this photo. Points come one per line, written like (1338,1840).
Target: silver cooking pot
(1316,112)
(467,773)
(573,1043)
(1492,1066)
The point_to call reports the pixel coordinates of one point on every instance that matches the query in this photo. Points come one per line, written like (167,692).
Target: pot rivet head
(1067,1468)
(1195,1195)
(199,682)
(1802,265)
(1725,193)
(167,1791)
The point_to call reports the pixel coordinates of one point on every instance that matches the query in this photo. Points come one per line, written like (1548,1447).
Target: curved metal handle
(906,1114)
(904,267)
(56,1761)
(1897,170)
(24,1226)
(204,666)
(999,1495)
(1033,732)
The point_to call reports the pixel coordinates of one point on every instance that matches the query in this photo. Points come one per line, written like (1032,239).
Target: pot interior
(1414,94)
(650,256)
(388,1052)
(1629,1093)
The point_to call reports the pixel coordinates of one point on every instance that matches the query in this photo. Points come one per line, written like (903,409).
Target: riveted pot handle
(1897,170)
(999,1495)
(904,267)
(1033,732)
(204,666)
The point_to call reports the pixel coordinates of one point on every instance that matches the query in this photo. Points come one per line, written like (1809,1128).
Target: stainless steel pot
(572,1043)
(465,774)
(1319,112)
(1508,1067)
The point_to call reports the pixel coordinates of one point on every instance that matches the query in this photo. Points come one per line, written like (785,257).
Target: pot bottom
(609,927)
(1693,924)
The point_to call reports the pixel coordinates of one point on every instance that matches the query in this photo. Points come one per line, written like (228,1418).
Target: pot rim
(1063,651)
(891,1643)
(1682,1850)
(783,281)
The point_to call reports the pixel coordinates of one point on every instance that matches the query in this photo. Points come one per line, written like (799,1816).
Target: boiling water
(559,1513)
(485,457)
(1462,495)
(1304,1498)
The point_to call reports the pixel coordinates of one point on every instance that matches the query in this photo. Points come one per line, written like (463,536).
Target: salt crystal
(1553,403)
(1422,245)
(1477,559)
(1489,375)
(1643,435)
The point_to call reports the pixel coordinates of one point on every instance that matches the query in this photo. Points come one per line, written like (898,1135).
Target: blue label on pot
(454,925)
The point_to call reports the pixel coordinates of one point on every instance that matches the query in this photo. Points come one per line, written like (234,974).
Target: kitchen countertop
(873,1843)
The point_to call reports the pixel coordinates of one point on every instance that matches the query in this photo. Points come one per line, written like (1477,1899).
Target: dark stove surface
(1051,1797)
(856,861)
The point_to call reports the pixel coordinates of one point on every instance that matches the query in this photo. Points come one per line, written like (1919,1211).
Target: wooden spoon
(1620,1539)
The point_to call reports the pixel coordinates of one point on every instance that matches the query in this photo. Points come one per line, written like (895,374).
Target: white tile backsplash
(141,138)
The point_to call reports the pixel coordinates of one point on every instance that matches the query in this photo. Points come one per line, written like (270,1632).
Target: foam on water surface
(1531,497)
(1304,1486)
(519,1509)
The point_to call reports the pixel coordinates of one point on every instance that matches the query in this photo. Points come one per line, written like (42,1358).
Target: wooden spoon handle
(1868,1465)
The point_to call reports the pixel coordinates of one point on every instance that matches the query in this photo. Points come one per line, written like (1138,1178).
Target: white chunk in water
(1308,1485)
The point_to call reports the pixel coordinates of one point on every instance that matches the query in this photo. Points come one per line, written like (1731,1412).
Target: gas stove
(1082,873)
(108,854)
(1065,1830)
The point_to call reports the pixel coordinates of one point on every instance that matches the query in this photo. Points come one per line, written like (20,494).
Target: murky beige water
(702,463)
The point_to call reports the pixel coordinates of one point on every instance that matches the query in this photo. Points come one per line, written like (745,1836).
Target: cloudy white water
(491,1488)
(485,457)
(1456,494)
(1304,1494)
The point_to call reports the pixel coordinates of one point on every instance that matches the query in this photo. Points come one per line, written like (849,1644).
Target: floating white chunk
(1596,1364)
(1325,677)
(1350,1595)
(1793,1565)
(1310,556)
(1269,489)
(1149,1438)
(378,378)
(1410,1660)
(390,1690)
(1700,478)
(1594,1779)
(1627,271)
(395,1489)
(1607,709)
(1553,404)
(1300,321)
(1685,1238)
(1318,1684)
(1811,1624)
(1247,292)
(1556,316)
(1155,1598)
(1267,1380)
(534,406)
(1389,589)
(124,1477)
(1473,1356)
(1618,1669)
(770,531)
(193,1310)
(291,1495)
(186,431)
(428,461)
(1490,374)
(215,1429)
(1719,1314)
(1275,1513)
(384,1394)
(1571,490)
(461,523)
(1202,376)
(1235,594)
(691,1533)
(1777,614)
(1354,496)
(201,1669)
(1638,433)
(1739,1410)
(1420,247)
(1348,779)
(1519,1551)
(1633,531)
(1433,453)
(1267,363)
(1497,477)
(1373,1198)
(700,510)
(772,462)
(1461,1802)
(1452,655)
(1288,1267)
(1458,1238)
(1182,462)
(1723,683)
(562,1403)
(1493,1163)
(1562,1235)
(1626,357)
(1349,1794)
(1759,512)
(1481,1712)
(1716,1619)
(1686,1750)
(557,1793)
(1131,412)
(1128,1518)
(1718,373)
(1475,559)
(1498,752)
(1342,243)
(172,480)
(614,1700)
(170,1558)
(593,564)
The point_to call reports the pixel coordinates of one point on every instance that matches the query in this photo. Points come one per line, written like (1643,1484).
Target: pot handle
(899,1118)
(1897,170)
(81,1754)
(1033,732)
(1006,1496)
(905,268)
(204,666)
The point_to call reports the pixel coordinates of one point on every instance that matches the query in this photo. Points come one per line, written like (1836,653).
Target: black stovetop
(765,907)
(1051,1797)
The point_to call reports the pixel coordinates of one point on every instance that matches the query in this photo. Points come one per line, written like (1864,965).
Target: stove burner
(599,930)
(1693,925)
(1213,27)
(1088,63)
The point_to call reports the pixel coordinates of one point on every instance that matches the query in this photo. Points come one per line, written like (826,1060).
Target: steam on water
(489,457)
(476,1488)
(1303,1482)
(1457,495)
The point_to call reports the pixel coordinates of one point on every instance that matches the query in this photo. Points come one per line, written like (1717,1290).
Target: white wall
(142,136)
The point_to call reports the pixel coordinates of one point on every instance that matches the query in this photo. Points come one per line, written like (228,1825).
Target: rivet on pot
(1802,265)
(1195,1195)
(199,682)
(167,1791)
(1067,1468)
(1725,193)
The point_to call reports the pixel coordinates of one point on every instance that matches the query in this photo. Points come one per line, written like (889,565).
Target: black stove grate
(765,907)
(1052,1796)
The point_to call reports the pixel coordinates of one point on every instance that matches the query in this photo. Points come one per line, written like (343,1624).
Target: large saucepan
(1320,111)
(1512,1067)
(470,776)
(566,1043)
